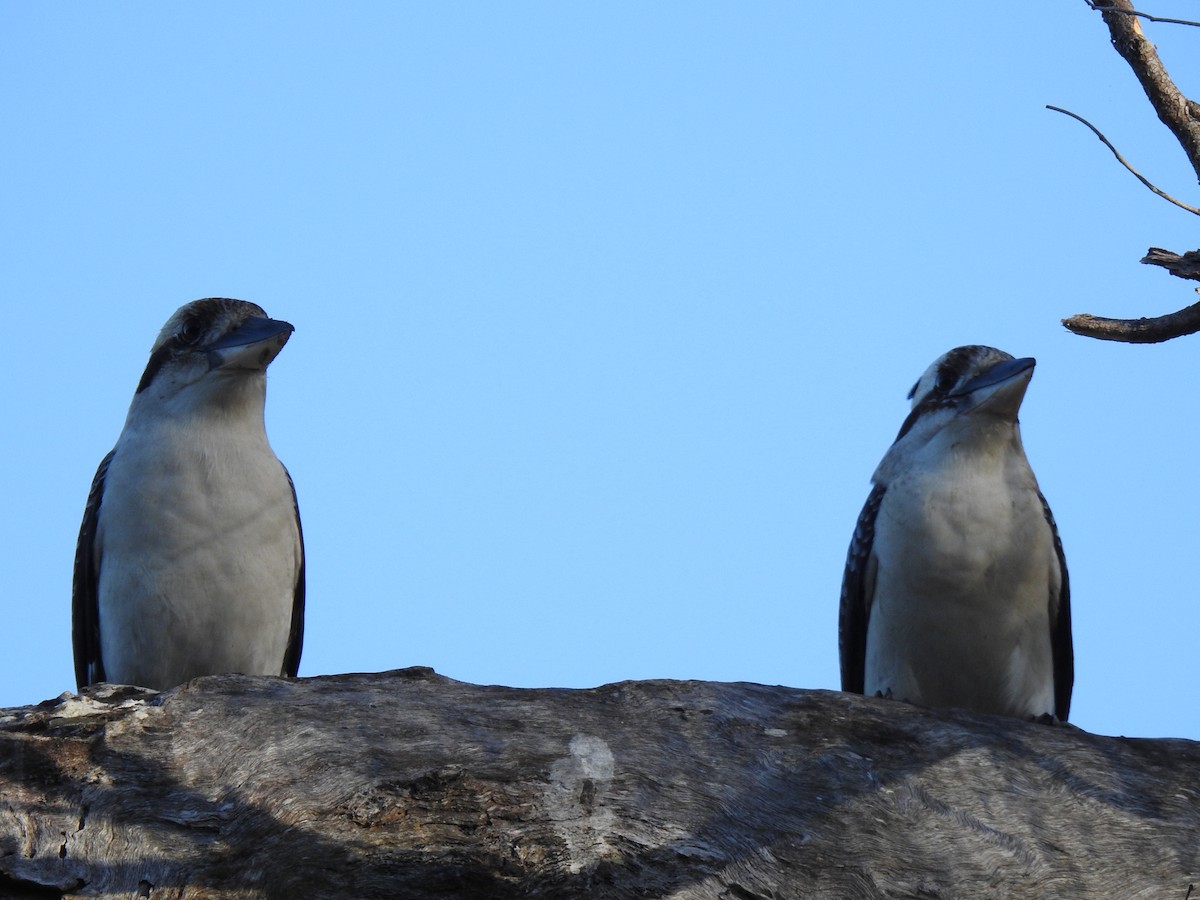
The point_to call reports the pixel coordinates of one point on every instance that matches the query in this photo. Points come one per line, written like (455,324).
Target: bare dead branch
(1182,117)
(1137,331)
(1100,6)
(1148,331)
(1177,112)
(1121,159)
(1185,266)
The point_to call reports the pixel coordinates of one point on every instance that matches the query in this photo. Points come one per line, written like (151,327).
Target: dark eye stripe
(156,361)
(189,333)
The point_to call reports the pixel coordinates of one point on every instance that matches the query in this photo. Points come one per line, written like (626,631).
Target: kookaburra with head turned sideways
(955,591)
(190,559)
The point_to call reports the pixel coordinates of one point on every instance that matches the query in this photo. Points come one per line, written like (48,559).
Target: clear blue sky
(604,313)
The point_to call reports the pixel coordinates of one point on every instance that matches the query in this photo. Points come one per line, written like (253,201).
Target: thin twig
(1121,159)
(1094,4)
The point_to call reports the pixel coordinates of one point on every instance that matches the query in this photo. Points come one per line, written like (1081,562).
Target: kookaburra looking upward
(190,559)
(955,591)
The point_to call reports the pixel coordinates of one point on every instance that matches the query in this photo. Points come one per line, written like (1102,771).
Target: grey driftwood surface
(409,785)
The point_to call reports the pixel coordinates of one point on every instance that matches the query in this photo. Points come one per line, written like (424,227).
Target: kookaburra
(190,559)
(955,591)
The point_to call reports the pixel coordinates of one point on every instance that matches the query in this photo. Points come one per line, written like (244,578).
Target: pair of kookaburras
(191,559)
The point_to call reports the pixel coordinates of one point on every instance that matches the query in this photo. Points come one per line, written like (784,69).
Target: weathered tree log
(409,785)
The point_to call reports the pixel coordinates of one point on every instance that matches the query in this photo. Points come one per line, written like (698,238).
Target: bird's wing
(291,657)
(1060,626)
(85,586)
(858,587)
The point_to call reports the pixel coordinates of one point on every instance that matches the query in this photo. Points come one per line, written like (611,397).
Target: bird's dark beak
(1000,390)
(252,345)
(1002,371)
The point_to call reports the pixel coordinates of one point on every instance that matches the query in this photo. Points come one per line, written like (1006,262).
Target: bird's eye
(190,332)
(946,380)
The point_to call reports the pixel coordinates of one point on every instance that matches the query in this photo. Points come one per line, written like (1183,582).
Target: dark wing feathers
(1060,627)
(85,612)
(856,600)
(291,657)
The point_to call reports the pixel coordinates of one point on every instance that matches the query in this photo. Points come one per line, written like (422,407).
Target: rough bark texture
(1177,112)
(1137,331)
(1148,331)
(409,785)
(1185,265)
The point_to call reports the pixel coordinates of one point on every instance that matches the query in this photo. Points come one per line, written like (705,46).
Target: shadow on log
(409,785)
